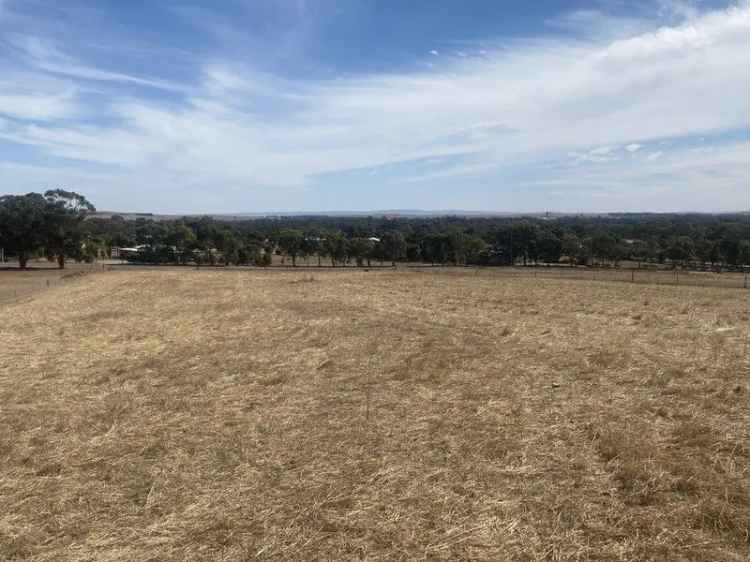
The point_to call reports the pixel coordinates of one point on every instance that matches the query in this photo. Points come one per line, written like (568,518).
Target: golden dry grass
(243,415)
(18,284)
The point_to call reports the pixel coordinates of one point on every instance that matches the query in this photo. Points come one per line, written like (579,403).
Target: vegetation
(59,224)
(231,415)
(696,241)
(53,222)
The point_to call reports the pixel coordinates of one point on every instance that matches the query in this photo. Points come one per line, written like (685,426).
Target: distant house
(125,253)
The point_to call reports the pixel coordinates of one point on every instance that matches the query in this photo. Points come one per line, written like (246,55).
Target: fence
(636,276)
(16,285)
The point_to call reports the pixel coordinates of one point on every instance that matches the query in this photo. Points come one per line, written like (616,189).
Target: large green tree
(22,225)
(63,231)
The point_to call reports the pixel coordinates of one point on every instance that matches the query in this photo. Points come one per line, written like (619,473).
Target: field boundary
(689,278)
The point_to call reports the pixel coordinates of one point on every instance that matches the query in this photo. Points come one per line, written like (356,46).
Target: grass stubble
(243,415)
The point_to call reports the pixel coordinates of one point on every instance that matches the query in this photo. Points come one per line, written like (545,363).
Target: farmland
(183,414)
(18,283)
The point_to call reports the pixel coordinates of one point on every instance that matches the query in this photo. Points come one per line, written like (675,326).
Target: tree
(248,252)
(311,247)
(435,248)
(359,249)
(22,224)
(638,251)
(474,248)
(502,250)
(574,249)
(549,247)
(604,247)
(183,239)
(524,240)
(680,249)
(457,245)
(63,224)
(729,248)
(743,252)
(230,248)
(334,246)
(291,242)
(394,245)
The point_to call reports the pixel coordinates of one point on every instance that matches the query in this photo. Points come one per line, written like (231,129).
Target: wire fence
(729,280)
(16,286)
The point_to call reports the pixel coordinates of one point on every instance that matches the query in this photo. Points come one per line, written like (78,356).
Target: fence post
(632,275)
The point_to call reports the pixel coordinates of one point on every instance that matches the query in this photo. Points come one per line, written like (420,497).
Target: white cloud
(434,52)
(38,107)
(458,170)
(597,155)
(603,151)
(679,9)
(44,56)
(655,155)
(597,24)
(28,96)
(248,130)
(675,181)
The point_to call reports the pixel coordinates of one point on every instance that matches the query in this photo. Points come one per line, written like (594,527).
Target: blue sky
(313,105)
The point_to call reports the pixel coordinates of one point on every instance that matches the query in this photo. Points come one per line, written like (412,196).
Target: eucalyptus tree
(63,232)
(22,225)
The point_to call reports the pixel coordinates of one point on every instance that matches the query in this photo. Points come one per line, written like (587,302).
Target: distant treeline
(56,225)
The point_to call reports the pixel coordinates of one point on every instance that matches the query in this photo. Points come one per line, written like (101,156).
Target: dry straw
(242,415)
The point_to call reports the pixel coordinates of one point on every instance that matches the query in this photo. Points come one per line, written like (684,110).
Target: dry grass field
(434,415)
(18,284)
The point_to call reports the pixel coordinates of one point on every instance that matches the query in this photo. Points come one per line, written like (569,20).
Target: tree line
(61,224)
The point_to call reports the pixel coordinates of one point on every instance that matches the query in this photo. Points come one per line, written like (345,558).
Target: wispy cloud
(597,99)
(37,106)
(679,9)
(675,181)
(45,56)
(655,155)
